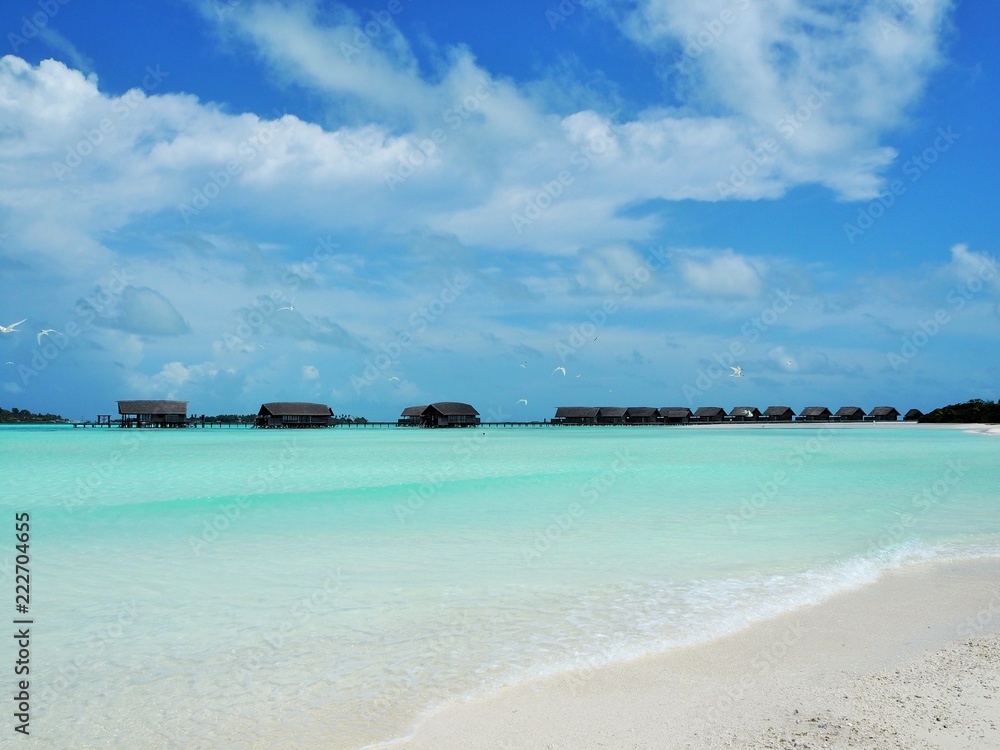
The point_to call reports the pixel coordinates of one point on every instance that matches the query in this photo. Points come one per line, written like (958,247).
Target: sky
(376,205)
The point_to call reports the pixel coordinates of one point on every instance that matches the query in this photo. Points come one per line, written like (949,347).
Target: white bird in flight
(737,372)
(290,307)
(12,328)
(522,401)
(524,364)
(561,369)
(45,332)
(394,378)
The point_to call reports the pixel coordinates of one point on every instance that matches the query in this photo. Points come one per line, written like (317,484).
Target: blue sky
(374,205)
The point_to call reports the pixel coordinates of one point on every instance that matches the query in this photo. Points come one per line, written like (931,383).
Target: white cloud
(715,273)
(310,372)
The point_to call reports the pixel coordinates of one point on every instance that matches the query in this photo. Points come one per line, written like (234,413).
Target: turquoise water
(244,588)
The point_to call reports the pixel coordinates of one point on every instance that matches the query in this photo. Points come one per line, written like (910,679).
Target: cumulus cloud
(718,273)
(172,377)
(310,372)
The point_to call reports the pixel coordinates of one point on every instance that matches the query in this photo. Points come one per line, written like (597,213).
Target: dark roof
(413,411)
(300,408)
(740,411)
(153,407)
(815,411)
(611,411)
(454,409)
(884,411)
(641,411)
(913,414)
(710,411)
(778,411)
(675,411)
(849,411)
(571,412)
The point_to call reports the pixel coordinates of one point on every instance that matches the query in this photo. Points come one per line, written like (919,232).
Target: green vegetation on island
(23,416)
(976,410)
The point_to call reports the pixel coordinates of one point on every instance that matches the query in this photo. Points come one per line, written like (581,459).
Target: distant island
(23,416)
(976,410)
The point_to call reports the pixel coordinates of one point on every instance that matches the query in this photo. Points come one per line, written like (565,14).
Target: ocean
(298,588)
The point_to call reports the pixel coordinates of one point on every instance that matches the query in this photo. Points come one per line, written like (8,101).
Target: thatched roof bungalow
(411,416)
(744,414)
(883,414)
(641,415)
(611,415)
(709,414)
(675,414)
(815,414)
(297,414)
(153,413)
(575,415)
(912,415)
(440,414)
(850,414)
(778,414)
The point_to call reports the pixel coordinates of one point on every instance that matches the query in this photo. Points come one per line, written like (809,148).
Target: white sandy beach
(911,661)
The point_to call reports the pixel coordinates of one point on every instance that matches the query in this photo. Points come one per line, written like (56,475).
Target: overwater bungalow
(744,414)
(675,415)
(575,415)
(439,414)
(883,414)
(706,414)
(153,413)
(641,415)
(778,414)
(296,414)
(850,414)
(912,415)
(611,415)
(815,414)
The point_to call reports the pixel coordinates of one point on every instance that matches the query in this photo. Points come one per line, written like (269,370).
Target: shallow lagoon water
(221,588)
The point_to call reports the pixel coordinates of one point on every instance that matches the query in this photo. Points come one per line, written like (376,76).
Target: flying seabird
(394,378)
(290,307)
(521,401)
(737,372)
(45,332)
(560,368)
(12,328)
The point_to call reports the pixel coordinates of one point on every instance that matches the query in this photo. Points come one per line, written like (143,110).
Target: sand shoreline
(909,661)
